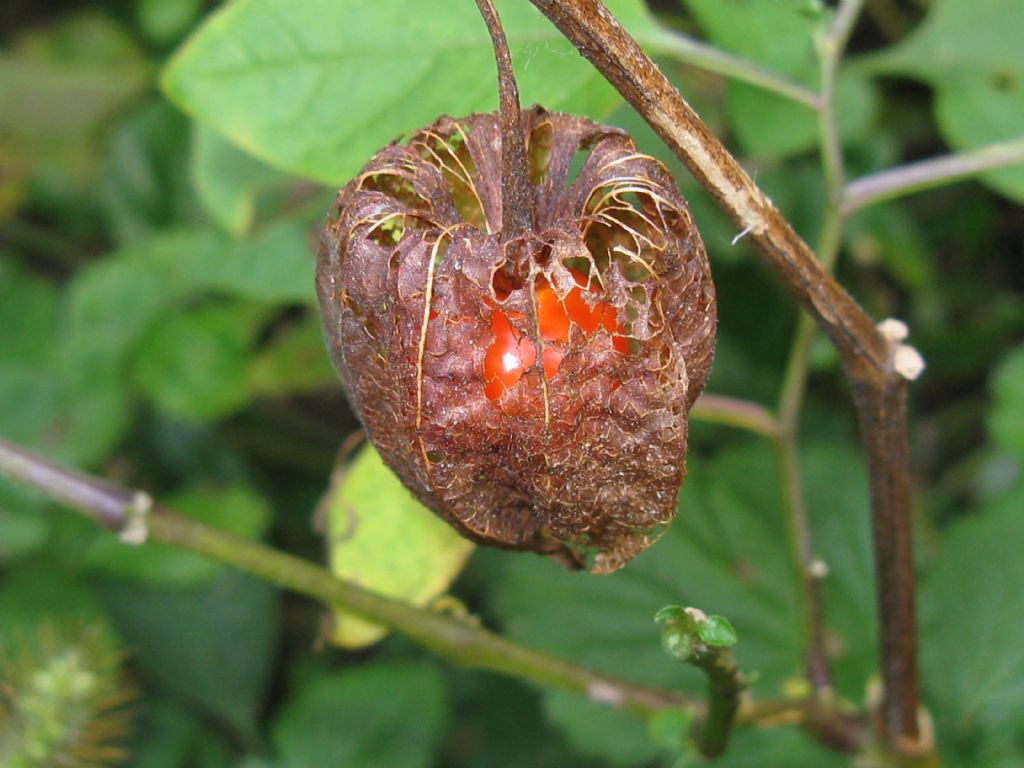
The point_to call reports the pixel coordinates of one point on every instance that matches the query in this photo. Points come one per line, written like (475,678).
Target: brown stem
(516,191)
(866,354)
(600,38)
(883,424)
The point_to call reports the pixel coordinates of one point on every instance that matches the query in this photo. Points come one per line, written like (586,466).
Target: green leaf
(57,85)
(889,236)
(973,110)
(24,521)
(168,735)
(145,187)
(194,365)
(602,733)
(27,313)
(274,265)
(316,87)
(383,539)
(973,638)
(969,52)
(717,631)
(775,33)
(670,728)
(779,35)
(767,124)
(236,509)
(41,591)
(294,360)
(213,646)
(726,551)
(384,715)
(164,21)
(1006,419)
(228,181)
(838,503)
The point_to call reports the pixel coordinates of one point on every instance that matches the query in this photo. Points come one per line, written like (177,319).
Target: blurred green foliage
(163,169)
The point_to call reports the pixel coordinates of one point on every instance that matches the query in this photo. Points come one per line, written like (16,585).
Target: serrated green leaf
(969,52)
(602,733)
(973,638)
(380,537)
(236,509)
(726,552)
(385,715)
(1006,419)
(317,87)
(213,646)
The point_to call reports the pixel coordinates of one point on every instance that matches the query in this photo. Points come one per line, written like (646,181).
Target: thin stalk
(830,52)
(516,190)
(743,414)
(929,174)
(725,685)
(687,50)
(135,517)
(795,378)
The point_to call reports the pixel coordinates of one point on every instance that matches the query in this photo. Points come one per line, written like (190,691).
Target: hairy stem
(867,355)
(516,190)
(698,54)
(830,49)
(725,685)
(928,174)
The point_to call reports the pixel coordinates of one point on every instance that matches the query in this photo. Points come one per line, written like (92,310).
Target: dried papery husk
(577,449)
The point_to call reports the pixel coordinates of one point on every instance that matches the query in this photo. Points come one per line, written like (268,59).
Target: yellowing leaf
(381,538)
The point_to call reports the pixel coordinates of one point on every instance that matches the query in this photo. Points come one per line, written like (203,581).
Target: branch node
(818,568)
(907,362)
(601,692)
(893,329)
(136,528)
